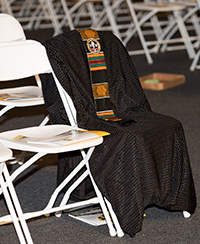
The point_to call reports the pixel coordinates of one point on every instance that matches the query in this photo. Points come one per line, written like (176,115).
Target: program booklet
(64,138)
(92,216)
(18,97)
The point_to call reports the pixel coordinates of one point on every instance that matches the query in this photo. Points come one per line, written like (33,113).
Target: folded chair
(50,139)
(144,161)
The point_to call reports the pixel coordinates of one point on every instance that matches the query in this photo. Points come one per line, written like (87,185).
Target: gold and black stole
(98,74)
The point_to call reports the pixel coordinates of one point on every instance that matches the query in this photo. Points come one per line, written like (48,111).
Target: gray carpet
(159,226)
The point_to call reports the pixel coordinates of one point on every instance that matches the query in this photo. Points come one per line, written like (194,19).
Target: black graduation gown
(144,161)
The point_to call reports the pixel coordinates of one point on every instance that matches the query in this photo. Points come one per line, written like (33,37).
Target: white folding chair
(46,139)
(191,20)
(150,10)
(31,14)
(11,199)
(23,96)
(80,14)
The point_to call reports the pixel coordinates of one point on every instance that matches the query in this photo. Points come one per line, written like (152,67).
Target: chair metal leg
(120,232)
(195,61)
(101,200)
(111,228)
(184,34)
(25,166)
(85,162)
(139,31)
(5,109)
(44,121)
(14,207)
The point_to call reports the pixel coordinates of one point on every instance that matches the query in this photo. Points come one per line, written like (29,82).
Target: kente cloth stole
(98,69)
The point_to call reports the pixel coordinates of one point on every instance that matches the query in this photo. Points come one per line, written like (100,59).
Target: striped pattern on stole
(98,70)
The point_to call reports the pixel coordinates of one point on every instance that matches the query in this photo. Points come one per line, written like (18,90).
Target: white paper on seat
(64,138)
(18,97)
(92,216)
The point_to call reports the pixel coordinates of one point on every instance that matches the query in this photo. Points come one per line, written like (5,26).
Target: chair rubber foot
(58,214)
(120,233)
(113,233)
(186,214)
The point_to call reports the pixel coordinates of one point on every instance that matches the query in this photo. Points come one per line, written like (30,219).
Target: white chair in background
(74,14)
(191,20)
(81,14)
(25,11)
(127,19)
(150,10)
(46,139)
(114,17)
(32,14)
(11,199)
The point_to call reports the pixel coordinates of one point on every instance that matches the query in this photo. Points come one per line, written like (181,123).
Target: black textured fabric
(144,161)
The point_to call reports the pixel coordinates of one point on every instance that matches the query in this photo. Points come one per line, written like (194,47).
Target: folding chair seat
(53,139)
(144,161)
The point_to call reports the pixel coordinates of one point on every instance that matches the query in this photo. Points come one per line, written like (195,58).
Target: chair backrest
(10,29)
(22,59)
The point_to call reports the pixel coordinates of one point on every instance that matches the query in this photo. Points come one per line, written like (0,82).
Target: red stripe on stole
(100,61)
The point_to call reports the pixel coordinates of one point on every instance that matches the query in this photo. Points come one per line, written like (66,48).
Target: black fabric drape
(144,161)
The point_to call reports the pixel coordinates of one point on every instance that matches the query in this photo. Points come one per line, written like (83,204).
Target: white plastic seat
(34,139)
